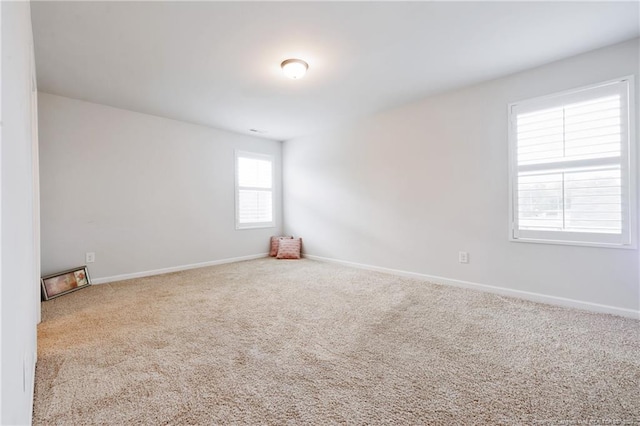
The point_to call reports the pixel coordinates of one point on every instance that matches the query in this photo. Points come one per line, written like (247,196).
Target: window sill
(256,226)
(574,243)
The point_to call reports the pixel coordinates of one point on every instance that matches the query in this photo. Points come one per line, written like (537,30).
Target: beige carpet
(303,342)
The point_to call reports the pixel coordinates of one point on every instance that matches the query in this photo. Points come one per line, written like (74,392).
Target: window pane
(540,136)
(254,206)
(593,129)
(540,202)
(254,172)
(589,201)
(577,131)
(593,201)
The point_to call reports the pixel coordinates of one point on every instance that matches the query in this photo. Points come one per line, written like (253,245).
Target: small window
(254,190)
(572,167)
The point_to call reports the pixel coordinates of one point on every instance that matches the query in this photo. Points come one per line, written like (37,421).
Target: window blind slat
(538,133)
(596,121)
(592,133)
(570,152)
(593,115)
(555,122)
(591,106)
(538,116)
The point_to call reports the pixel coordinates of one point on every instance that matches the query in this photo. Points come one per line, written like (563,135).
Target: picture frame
(64,282)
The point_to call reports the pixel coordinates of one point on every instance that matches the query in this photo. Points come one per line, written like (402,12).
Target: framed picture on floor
(55,285)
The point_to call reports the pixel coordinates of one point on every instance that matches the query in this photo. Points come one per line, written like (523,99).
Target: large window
(572,167)
(254,190)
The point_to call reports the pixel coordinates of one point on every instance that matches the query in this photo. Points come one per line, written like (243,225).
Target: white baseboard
(536,297)
(123,277)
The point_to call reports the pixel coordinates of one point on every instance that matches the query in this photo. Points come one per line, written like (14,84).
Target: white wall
(19,255)
(409,188)
(142,192)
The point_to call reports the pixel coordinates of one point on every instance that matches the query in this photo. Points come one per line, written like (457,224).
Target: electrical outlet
(90,257)
(463,257)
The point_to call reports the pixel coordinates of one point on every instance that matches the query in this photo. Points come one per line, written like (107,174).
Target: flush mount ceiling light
(294,68)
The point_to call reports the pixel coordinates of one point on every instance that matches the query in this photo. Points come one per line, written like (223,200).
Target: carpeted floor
(302,342)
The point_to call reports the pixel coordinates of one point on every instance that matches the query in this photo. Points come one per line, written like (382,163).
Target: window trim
(630,163)
(258,156)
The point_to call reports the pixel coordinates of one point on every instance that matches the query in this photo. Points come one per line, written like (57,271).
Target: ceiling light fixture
(294,68)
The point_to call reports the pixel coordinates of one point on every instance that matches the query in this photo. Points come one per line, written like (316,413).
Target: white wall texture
(409,188)
(19,254)
(144,193)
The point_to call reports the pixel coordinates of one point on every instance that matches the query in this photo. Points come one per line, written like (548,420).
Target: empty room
(363,213)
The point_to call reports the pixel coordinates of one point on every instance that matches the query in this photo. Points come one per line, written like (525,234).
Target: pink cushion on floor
(275,242)
(289,248)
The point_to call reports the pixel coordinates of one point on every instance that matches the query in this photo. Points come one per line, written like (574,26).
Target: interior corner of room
(127,159)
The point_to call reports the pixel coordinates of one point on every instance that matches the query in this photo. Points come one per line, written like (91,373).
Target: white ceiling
(217,63)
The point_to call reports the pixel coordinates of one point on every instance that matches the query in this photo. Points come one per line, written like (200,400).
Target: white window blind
(254,190)
(571,168)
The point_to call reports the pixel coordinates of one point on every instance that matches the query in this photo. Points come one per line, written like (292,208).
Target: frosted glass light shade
(294,68)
